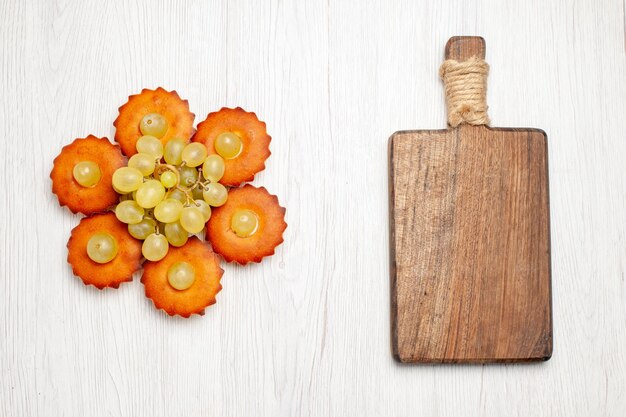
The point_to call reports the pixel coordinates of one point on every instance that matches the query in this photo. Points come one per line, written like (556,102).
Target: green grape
(143,162)
(168,179)
(228,145)
(150,193)
(194,154)
(192,219)
(143,229)
(87,173)
(188,176)
(173,151)
(168,210)
(129,212)
(176,234)
(155,247)
(127,180)
(213,168)
(153,124)
(204,207)
(150,145)
(102,247)
(181,275)
(177,194)
(244,223)
(215,194)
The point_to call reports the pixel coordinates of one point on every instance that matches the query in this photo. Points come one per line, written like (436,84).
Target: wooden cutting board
(470,241)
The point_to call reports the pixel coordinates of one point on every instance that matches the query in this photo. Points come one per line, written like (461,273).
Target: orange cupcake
(253,138)
(184,296)
(165,103)
(263,235)
(99,153)
(110,274)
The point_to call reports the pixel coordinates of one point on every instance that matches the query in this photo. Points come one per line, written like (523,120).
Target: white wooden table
(305,333)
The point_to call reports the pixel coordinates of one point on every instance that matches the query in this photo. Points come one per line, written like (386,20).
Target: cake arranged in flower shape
(172,187)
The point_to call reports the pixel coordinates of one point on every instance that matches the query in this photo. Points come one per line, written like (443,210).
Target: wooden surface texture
(306,333)
(470,246)
(470,241)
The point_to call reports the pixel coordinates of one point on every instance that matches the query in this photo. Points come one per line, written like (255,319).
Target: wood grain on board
(470,241)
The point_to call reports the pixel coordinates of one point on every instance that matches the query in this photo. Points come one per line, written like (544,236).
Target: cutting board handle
(461,48)
(465,81)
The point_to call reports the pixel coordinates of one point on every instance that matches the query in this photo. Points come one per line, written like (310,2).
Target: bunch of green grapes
(167,192)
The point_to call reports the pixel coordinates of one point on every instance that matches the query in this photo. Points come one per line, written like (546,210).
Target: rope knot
(466,91)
